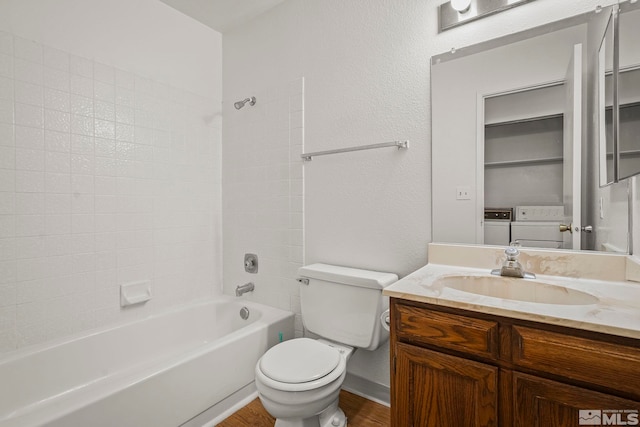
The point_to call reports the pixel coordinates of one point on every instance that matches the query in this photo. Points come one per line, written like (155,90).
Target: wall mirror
(504,115)
(628,90)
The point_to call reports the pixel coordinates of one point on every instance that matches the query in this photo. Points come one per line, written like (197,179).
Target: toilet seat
(300,364)
(299,361)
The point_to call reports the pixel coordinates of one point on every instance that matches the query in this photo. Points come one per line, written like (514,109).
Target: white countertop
(616,312)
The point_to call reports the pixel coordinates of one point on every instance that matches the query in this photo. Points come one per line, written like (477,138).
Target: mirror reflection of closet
(629,94)
(523,147)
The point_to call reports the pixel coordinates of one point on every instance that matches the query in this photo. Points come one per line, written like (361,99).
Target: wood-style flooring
(360,412)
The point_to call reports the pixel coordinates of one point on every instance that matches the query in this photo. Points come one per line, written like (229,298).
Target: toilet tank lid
(348,275)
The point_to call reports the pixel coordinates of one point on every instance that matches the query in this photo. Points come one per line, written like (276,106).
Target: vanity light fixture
(458,12)
(461,6)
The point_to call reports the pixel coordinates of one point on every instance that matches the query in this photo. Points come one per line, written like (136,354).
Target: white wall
(366,71)
(110,170)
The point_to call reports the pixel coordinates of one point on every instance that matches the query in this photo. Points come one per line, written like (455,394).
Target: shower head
(240,104)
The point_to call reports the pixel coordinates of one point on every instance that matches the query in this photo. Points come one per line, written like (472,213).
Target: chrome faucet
(243,289)
(511,267)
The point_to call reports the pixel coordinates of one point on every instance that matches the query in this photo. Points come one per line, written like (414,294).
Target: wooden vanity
(456,368)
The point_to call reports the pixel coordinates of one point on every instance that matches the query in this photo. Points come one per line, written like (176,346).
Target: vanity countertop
(616,312)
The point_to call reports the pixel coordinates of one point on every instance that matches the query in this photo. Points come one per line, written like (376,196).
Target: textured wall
(106,177)
(366,71)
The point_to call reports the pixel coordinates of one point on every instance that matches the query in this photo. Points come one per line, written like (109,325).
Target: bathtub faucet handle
(243,289)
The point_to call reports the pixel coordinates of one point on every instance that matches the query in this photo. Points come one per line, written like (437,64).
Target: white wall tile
(27,49)
(28,137)
(29,115)
(6,88)
(30,225)
(57,79)
(7,157)
(29,181)
(28,93)
(104,92)
(57,182)
(57,162)
(6,111)
(82,144)
(7,203)
(56,245)
(30,203)
(58,224)
(79,191)
(7,226)
(57,100)
(7,137)
(57,59)
(58,203)
(105,129)
(28,71)
(83,223)
(81,66)
(57,120)
(6,43)
(81,86)
(104,73)
(31,160)
(6,65)
(82,125)
(7,249)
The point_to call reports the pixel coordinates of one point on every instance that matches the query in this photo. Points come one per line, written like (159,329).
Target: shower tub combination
(185,367)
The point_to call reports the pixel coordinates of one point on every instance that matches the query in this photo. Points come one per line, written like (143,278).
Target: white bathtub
(160,371)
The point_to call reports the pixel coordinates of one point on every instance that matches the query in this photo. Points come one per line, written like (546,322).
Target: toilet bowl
(299,382)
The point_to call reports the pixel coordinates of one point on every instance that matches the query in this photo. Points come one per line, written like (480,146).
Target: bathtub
(169,369)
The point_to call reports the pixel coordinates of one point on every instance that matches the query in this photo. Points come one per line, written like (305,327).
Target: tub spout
(243,289)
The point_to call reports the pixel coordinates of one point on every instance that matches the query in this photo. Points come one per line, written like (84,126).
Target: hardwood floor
(360,412)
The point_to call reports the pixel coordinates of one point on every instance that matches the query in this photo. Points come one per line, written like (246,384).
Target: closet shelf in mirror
(523,120)
(523,162)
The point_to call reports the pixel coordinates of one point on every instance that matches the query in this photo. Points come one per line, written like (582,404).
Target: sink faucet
(511,267)
(243,289)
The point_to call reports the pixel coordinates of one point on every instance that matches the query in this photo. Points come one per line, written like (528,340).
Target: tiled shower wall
(106,178)
(263,189)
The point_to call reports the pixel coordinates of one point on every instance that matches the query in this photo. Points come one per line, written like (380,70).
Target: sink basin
(516,289)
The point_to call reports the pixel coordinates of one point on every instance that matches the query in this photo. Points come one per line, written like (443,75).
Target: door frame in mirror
(604,179)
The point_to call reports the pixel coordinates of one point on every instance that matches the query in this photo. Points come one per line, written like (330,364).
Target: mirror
(628,86)
(487,156)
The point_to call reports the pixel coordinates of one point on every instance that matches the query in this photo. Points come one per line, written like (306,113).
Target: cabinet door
(543,403)
(436,390)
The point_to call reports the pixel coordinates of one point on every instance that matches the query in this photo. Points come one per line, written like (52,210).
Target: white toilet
(299,380)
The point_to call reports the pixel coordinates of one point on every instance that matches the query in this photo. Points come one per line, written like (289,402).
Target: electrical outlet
(463,193)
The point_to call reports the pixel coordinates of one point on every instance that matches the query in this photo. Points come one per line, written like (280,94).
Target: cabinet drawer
(613,366)
(420,325)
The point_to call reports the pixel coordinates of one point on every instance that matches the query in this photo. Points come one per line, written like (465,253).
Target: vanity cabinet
(459,368)
(433,386)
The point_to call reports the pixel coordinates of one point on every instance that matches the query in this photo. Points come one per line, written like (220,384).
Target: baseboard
(368,389)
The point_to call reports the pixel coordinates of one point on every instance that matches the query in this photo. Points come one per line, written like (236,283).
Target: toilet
(299,380)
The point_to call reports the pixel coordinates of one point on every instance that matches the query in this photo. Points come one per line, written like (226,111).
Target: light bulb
(461,5)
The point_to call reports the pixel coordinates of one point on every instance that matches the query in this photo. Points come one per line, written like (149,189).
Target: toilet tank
(344,304)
